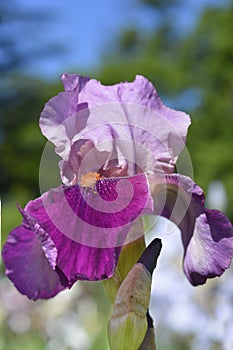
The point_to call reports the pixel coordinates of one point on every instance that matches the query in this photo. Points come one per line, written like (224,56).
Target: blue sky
(87,29)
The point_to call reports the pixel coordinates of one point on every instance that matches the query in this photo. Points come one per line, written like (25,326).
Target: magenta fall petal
(82,241)
(28,267)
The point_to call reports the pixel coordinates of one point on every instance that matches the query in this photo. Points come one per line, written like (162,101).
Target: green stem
(149,340)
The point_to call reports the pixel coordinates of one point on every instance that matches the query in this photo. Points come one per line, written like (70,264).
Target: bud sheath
(128,324)
(131,324)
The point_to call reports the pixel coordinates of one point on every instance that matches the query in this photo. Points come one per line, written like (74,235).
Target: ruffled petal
(207,235)
(210,251)
(59,121)
(29,256)
(127,121)
(89,225)
(74,82)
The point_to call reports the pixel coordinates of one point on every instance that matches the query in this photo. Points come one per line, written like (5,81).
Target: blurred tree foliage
(192,71)
(21,101)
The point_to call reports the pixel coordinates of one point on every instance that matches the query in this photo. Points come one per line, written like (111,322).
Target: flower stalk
(130,253)
(149,339)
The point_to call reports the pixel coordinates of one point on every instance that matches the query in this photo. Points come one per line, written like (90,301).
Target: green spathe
(128,324)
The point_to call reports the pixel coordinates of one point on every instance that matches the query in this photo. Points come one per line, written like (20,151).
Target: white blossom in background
(216,195)
(203,314)
(63,321)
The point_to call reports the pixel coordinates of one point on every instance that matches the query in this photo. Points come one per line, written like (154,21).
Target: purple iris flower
(118,147)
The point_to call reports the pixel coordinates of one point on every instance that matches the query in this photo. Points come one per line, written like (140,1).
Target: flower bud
(128,324)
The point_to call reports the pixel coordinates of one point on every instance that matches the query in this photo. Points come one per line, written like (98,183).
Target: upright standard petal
(29,256)
(127,121)
(207,235)
(88,225)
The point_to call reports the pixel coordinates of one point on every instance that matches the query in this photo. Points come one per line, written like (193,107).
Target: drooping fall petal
(207,235)
(86,227)
(27,266)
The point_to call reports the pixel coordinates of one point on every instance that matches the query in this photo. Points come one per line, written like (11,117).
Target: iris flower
(118,146)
